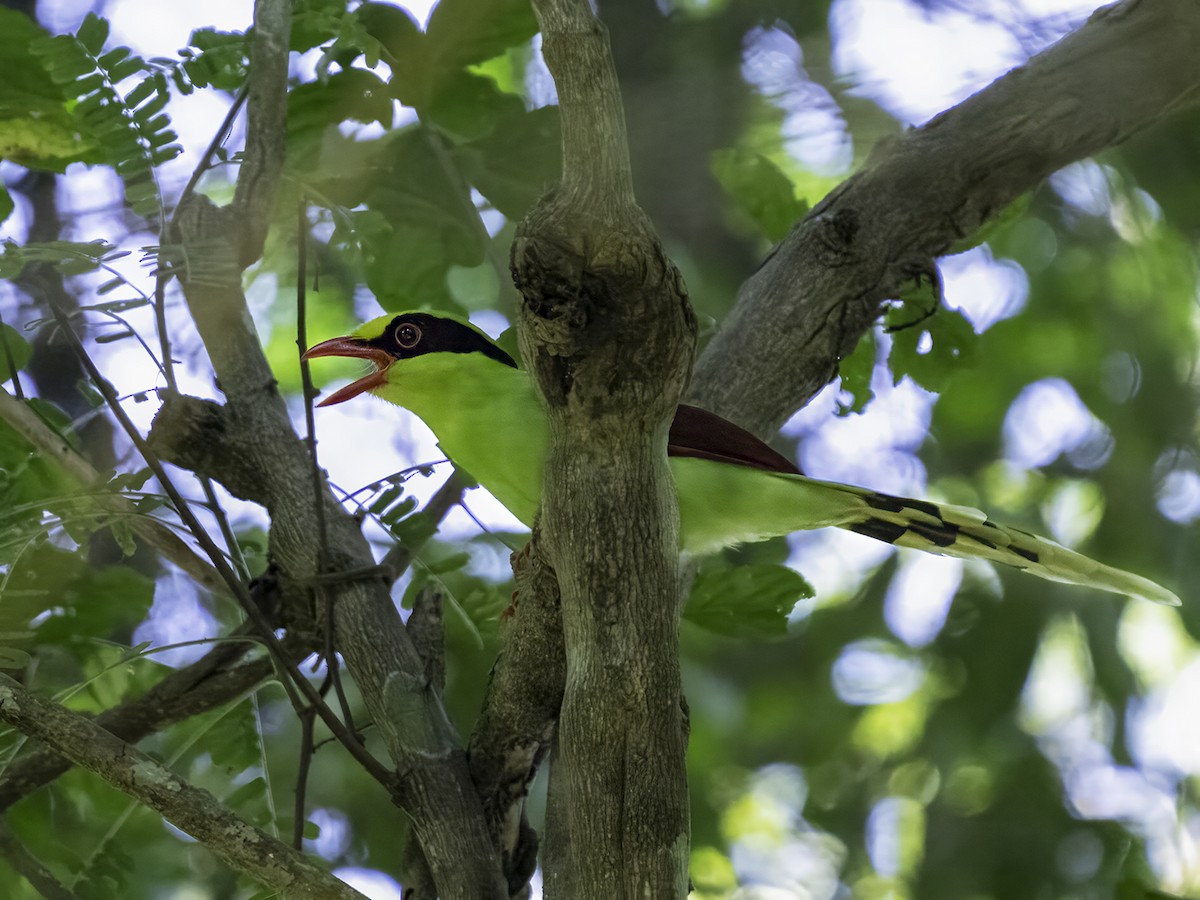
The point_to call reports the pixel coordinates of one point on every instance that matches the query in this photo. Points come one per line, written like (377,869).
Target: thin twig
(236,587)
(217,140)
(310,438)
(218,511)
(302,770)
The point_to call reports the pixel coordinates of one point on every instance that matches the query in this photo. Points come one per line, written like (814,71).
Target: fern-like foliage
(213,58)
(132,130)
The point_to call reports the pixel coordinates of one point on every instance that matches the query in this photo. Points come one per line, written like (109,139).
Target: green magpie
(732,487)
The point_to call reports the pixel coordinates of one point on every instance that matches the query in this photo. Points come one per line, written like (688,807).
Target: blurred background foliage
(875,726)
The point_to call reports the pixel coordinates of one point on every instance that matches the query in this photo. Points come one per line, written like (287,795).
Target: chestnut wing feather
(698,433)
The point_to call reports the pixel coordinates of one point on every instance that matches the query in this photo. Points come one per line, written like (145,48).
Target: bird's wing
(700,434)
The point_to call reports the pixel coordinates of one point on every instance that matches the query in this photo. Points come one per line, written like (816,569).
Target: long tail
(721,505)
(968,533)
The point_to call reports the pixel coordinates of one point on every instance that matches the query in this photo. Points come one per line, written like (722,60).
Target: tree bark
(607,332)
(822,287)
(520,712)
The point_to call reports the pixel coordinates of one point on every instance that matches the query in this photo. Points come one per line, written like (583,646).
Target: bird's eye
(408,335)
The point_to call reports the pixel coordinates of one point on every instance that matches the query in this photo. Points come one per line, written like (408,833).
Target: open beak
(355,348)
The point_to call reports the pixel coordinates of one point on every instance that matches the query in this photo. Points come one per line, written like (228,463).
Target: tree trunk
(607,332)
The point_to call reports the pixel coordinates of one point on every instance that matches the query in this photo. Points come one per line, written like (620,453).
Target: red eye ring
(408,335)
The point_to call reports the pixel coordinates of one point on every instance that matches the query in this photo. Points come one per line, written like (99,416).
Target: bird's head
(390,340)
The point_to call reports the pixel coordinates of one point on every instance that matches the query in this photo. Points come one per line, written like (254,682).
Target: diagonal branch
(822,287)
(211,681)
(195,811)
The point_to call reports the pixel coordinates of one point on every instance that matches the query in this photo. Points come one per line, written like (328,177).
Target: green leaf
(21,72)
(413,530)
(14,346)
(49,142)
(122,534)
(746,601)
(221,61)
(405,49)
(467,107)
(933,350)
(130,480)
(315,111)
(379,506)
(314,22)
(420,578)
(856,371)
(126,69)
(231,737)
(451,563)
(93,32)
(36,127)
(398,512)
(420,222)
(517,162)
(758,191)
(113,57)
(90,601)
(250,798)
(351,95)
(462,32)
(144,88)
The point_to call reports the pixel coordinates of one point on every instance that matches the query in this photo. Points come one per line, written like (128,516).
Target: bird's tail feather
(965,532)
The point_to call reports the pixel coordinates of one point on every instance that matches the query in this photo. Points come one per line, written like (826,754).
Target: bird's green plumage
(488,420)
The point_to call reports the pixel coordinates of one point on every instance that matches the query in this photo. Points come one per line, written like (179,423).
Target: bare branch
(195,811)
(520,712)
(822,287)
(209,682)
(266,125)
